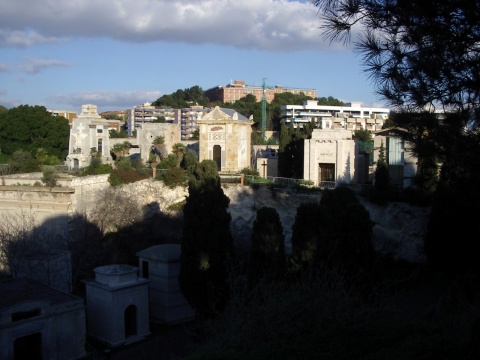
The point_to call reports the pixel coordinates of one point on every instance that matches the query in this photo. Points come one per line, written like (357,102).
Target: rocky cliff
(398,230)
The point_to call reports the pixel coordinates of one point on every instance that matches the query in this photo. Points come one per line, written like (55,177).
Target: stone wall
(399,228)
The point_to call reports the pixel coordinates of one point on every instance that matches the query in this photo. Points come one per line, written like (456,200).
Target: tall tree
(32,127)
(425,56)
(267,255)
(207,243)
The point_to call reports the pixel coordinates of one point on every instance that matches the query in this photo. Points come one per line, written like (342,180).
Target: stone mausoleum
(117,305)
(225,137)
(329,156)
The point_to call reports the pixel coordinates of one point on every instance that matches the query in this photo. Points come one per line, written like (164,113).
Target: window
(22,315)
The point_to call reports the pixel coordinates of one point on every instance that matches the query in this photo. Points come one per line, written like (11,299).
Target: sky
(120,53)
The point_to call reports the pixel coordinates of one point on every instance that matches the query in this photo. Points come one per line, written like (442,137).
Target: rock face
(398,230)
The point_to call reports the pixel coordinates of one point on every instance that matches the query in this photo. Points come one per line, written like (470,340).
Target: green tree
(49,177)
(190,160)
(23,162)
(424,57)
(305,234)
(207,243)
(267,254)
(179,150)
(32,127)
(345,241)
(183,98)
(330,101)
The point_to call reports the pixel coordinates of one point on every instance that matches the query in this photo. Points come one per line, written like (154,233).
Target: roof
(15,291)
(224,114)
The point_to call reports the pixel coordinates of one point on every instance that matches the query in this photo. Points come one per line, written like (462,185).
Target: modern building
(147,113)
(225,137)
(351,117)
(238,89)
(190,116)
(67,114)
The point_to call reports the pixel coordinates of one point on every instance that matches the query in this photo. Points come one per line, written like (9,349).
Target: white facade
(88,131)
(351,117)
(329,156)
(117,305)
(225,137)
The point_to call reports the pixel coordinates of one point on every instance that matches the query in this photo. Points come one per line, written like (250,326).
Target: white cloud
(25,38)
(275,25)
(34,66)
(105,99)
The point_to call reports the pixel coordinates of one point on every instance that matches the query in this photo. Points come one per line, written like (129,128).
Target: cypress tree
(207,243)
(267,255)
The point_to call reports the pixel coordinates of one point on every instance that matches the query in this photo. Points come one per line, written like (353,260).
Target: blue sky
(121,53)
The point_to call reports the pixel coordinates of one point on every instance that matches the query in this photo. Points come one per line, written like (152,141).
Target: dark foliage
(305,234)
(267,254)
(207,243)
(32,127)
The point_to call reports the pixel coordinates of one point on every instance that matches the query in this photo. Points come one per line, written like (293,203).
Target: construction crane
(264,110)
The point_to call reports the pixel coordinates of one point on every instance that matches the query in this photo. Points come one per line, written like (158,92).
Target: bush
(267,254)
(174,177)
(125,175)
(50,177)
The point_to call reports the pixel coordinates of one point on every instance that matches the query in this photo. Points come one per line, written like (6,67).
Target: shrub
(267,254)
(49,177)
(174,177)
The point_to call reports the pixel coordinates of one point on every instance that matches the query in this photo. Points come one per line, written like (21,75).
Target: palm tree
(179,150)
(159,143)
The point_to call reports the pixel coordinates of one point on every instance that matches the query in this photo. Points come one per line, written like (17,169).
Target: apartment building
(147,113)
(238,89)
(351,117)
(189,117)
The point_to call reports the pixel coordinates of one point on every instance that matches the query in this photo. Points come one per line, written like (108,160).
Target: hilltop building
(351,117)
(238,89)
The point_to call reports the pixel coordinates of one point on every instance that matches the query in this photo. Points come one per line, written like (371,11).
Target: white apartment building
(351,117)
(189,120)
(147,113)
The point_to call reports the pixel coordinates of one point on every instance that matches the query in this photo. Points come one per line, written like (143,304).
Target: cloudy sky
(121,53)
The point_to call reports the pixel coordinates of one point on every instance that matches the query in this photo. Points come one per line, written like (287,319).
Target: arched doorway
(130,317)
(76,164)
(217,156)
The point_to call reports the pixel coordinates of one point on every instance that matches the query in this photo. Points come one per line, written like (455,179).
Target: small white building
(117,305)
(88,132)
(225,137)
(329,156)
(160,264)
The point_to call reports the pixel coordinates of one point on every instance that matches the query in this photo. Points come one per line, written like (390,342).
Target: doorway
(217,156)
(28,347)
(130,321)
(326,172)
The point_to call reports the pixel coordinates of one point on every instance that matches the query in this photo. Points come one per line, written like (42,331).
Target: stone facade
(37,322)
(225,137)
(329,156)
(117,305)
(88,131)
(147,132)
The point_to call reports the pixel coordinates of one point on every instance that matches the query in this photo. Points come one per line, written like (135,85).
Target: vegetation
(207,243)
(127,171)
(432,63)
(183,98)
(30,128)
(49,177)
(267,254)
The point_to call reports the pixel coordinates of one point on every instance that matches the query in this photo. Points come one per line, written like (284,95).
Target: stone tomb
(161,265)
(329,156)
(117,305)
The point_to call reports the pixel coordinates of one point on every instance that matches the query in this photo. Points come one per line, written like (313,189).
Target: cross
(264,165)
